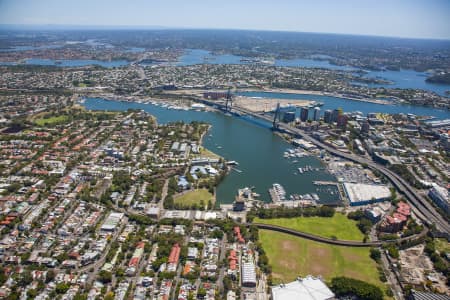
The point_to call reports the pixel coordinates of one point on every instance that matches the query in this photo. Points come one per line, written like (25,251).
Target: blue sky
(403,18)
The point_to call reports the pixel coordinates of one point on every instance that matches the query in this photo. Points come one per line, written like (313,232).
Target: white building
(248,274)
(362,194)
(440,196)
(308,288)
(112,221)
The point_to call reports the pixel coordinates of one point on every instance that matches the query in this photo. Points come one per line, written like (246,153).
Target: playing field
(194,197)
(51,120)
(291,257)
(338,226)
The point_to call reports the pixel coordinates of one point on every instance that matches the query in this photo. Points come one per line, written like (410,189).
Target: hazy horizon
(59,27)
(401,19)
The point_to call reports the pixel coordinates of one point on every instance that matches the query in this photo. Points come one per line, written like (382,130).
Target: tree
(393,251)
(50,276)
(31,294)
(80,296)
(344,286)
(375,254)
(217,234)
(62,288)
(109,296)
(201,293)
(3,276)
(104,276)
(25,279)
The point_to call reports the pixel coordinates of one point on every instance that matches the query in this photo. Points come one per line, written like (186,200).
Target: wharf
(318,182)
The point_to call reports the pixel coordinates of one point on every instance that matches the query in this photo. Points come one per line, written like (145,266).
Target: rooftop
(308,288)
(358,192)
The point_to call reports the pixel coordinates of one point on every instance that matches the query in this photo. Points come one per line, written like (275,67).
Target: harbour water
(406,79)
(198,56)
(400,79)
(251,143)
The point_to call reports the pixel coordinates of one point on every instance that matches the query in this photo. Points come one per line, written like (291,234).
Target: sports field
(338,226)
(195,197)
(291,257)
(51,120)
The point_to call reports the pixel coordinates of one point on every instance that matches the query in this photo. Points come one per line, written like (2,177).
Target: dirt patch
(288,245)
(265,104)
(319,260)
(348,256)
(321,252)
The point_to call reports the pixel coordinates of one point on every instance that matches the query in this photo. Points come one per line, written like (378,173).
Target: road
(332,241)
(421,207)
(221,258)
(395,284)
(100,261)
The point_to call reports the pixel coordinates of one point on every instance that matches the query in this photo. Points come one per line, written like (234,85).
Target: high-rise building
(316,116)
(365,126)
(327,116)
(342,121)
(304,114)
(335,114)
(289,116)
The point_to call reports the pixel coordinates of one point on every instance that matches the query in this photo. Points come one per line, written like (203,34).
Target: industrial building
(308,288)
(416,295)
(439,195)
(363,194)
(374,214)
(112,221)
(303,144)
(248,274)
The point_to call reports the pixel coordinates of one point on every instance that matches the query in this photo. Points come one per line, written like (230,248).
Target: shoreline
(199,92)
(317,93)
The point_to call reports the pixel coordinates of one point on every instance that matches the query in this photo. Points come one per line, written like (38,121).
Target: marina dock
(318,182)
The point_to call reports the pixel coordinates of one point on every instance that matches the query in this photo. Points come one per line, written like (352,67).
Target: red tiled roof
(174,254)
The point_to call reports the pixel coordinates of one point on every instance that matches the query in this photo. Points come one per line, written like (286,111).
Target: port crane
(276,117)
(229,101)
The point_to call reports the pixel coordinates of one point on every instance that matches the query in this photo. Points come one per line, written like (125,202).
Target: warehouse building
(308,288)
(112,221)
(363,194)
(440,196)
(248,274)
(416,295)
